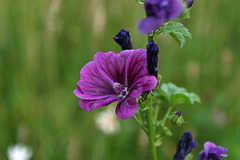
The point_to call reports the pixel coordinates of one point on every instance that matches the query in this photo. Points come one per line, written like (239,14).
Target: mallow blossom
(157,12)
(115,77)
(212,152)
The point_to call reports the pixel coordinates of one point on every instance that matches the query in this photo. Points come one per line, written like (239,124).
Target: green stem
(151,135)
(140,123)
(167,114)
(150,37)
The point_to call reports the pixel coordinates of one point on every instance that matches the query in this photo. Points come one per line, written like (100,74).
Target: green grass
(44,44)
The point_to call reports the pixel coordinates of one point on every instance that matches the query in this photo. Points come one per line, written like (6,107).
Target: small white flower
(19,152)
(107,121)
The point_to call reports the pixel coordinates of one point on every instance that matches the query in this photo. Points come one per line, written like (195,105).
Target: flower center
(120,90)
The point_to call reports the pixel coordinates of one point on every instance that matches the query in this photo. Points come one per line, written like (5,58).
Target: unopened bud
(123,39)
(152,58)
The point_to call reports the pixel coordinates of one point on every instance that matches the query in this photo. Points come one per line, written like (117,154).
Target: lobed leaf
(178,32)
(177,95)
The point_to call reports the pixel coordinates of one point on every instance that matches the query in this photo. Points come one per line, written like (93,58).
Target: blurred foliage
(44,44)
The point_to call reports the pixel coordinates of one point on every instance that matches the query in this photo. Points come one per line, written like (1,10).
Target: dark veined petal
(147,83)
(126,108)
(149,24)
(150,83)
(136,66)
(112,66)
(88,105)
(92,84)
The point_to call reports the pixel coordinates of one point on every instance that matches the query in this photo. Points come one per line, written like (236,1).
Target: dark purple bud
(152,58)
(212,152)
(123,39)
(178,113)
(189,3)
(185,146)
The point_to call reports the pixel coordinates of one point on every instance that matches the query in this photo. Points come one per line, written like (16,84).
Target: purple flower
(189,3)
(185,146)
(152,58)
(115,77)
(123,39)
(157,12)
(212,152)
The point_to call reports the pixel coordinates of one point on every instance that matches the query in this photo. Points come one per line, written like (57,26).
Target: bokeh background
(44,44)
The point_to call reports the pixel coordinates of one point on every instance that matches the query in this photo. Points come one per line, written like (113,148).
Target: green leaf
(140,1)
(177,31)
(176,95)
(178,98)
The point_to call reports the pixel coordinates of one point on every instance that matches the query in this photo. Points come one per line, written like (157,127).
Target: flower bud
(176,118)
(123,39)
(189,3)
(152,58)
(185,146)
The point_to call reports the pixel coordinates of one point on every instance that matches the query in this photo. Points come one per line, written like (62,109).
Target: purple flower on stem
(115,77)
(189,3)
(157,12)
(152,58)
(123,39)
(185,146)
(212,152)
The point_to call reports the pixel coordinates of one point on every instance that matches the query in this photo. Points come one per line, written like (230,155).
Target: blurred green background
(44,44)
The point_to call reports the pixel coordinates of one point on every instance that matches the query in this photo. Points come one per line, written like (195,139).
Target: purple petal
(149,24)
(136,66)
(202,155)
(223,151)
(150,83)
(111,65)
(174,9)
(88,105)
(92,84)
(126,108)
(208,146)
(147,83)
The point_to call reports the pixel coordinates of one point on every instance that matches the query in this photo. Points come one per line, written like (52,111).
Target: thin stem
(151,135)
(140,123)
(156,114)
(167,114)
